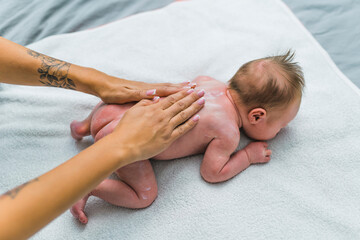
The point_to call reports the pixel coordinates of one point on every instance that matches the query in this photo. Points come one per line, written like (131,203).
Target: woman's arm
(146,129)
(27,208)
(20,65)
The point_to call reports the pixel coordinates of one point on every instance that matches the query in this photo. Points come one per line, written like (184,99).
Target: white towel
(309,190)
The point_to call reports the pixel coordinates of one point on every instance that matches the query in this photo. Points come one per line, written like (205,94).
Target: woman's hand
(149,127)
(19,65)
(145,130)
(116,90)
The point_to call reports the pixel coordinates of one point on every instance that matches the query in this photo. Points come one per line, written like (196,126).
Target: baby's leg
(136,189)
(82,129)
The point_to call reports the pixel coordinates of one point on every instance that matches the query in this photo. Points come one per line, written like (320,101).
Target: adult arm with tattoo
(20,65)
(146,129)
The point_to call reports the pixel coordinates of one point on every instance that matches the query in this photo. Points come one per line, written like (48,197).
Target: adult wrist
(88,80)
(121,152)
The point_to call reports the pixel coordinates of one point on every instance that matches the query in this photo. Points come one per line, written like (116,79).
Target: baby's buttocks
(106,114)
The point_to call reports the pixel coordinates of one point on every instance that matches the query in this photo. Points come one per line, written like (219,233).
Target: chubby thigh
(137,187)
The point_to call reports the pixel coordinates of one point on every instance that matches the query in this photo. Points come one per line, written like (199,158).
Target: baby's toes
(83,218)
(78,213)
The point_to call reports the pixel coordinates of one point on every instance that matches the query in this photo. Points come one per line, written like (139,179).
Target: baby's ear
(256,115)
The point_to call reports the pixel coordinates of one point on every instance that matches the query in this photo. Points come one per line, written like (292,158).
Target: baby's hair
(272,83)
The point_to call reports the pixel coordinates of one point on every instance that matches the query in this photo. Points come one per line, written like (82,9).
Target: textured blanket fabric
(309,190)
(25,22)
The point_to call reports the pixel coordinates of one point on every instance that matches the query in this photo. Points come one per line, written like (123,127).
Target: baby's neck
(238,116)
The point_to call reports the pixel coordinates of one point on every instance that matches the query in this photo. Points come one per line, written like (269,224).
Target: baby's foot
(77,210)
(80,129)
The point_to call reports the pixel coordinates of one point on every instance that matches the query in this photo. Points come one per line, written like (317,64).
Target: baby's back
(218,117)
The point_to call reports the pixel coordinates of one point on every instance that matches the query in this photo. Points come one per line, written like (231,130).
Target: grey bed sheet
(334,23)
(25,22)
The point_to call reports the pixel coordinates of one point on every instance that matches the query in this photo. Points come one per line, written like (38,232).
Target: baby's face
(270,127)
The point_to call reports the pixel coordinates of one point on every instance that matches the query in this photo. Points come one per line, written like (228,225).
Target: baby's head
(267,93)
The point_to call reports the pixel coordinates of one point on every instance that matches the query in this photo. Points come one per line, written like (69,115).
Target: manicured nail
(156,98)
(201,93)
(190,91)
(196,118)
(151,92)
(201,101)
(192,85)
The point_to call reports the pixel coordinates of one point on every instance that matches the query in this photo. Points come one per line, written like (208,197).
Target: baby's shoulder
(207,80)
(203,78)
(223,128)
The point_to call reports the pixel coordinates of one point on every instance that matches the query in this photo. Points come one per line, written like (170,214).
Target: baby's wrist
(247,155)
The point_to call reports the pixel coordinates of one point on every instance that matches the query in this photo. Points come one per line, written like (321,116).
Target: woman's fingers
(123,91)
(166,89)
(148,90)
(182,99)
(150,126)
(190,108)
(170,100)
(184,128)
(186,102)
(145,102)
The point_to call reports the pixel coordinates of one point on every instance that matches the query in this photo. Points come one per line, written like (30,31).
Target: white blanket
(309,190)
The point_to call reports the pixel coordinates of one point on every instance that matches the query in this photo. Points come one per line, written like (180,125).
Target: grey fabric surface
(309,190)
(25,22)
(332,22)
(335,25)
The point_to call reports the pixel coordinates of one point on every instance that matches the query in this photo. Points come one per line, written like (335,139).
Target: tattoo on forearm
(53,72)
(14,192)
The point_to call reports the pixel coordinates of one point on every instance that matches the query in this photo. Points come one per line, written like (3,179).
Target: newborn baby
(261,98)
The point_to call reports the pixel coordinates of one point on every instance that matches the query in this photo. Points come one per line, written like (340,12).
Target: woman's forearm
(27,208)
(23,66)
(145,130)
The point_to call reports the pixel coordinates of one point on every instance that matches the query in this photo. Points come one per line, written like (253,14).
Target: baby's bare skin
(217,135)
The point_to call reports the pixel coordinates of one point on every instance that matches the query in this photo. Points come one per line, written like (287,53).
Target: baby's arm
(220,164)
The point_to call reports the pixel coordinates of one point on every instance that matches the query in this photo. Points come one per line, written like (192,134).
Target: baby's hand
(257,152)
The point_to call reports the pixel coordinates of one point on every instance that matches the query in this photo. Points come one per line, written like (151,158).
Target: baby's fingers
(267,153)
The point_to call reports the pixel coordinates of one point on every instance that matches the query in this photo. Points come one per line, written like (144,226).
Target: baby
(261,98)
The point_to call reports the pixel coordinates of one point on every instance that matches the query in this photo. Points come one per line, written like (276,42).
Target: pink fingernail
(196,118)
(201,93)
(151,92)
(156,98)
(201,101)
(192,85)
(190,91)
